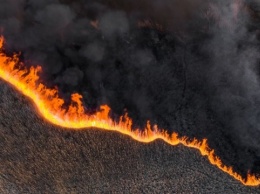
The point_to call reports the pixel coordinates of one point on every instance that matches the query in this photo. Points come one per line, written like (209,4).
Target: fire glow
(51,107)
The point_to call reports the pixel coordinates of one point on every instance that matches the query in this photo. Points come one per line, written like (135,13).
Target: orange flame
(51,107)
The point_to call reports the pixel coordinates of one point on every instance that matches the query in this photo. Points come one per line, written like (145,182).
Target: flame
(51,107)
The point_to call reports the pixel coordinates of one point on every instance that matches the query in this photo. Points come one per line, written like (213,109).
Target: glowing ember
(50,106)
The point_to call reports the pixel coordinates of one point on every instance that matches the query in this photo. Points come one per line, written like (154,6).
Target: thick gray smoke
(199,76)
(235,72)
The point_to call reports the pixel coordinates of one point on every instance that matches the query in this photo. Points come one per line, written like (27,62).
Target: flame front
(51,107)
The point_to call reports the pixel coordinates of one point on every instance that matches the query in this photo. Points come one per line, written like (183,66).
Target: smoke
(53,18)
(200,76)
(235,73)
(113,24)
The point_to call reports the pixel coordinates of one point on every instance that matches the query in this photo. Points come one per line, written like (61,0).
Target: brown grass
(36,157)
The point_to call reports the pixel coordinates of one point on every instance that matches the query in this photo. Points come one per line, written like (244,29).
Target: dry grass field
(36,157)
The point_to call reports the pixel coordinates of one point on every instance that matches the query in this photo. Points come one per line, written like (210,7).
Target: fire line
(51,107)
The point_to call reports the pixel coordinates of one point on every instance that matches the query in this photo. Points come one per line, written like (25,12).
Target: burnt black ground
(36,157)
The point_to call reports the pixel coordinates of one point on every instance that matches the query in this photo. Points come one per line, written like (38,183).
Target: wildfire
(51,107)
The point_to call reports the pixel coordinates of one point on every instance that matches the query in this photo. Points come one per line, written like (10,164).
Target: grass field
(37,157)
